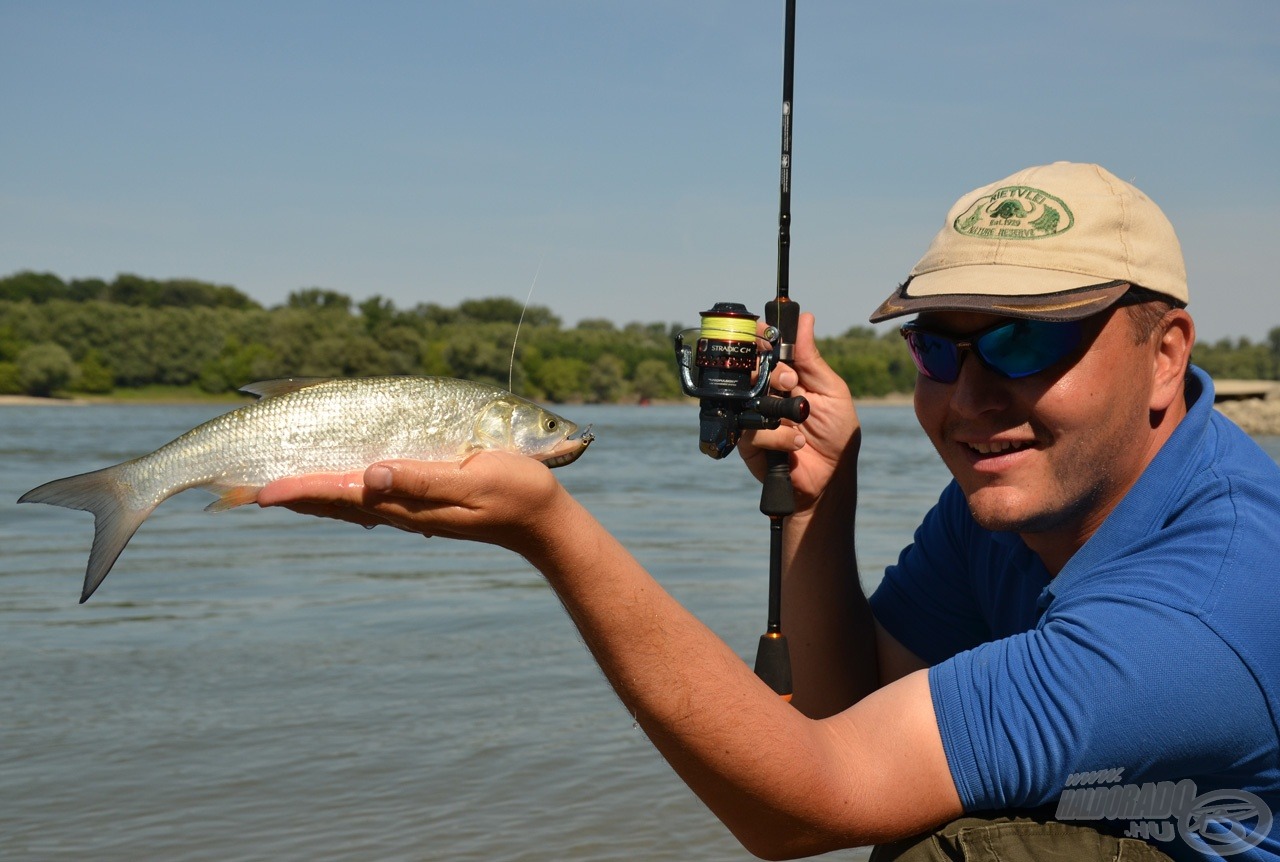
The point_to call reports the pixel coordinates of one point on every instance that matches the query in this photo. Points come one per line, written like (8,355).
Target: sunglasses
(1015,349)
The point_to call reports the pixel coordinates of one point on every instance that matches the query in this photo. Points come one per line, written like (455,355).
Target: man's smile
(995,447)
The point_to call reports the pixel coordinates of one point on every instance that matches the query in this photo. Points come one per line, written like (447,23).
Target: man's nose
(977,388)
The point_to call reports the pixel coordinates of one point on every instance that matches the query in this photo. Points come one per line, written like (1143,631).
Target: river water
(256,684)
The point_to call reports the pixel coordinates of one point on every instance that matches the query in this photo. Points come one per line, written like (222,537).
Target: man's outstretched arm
(785,784)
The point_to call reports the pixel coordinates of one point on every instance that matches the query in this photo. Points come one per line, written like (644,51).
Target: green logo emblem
(1015,212)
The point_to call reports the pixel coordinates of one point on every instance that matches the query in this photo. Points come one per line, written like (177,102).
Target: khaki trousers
(1016,837)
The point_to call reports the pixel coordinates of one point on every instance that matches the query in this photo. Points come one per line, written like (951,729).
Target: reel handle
(773,407)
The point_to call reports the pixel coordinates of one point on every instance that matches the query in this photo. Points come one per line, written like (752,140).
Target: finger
(446,483)
(337,513)
(423,482)
(332,488)
(783,439)
(784,378)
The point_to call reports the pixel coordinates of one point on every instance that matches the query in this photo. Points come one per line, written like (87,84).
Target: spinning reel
(728,373)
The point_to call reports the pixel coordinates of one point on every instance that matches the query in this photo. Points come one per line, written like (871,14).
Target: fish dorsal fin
(281,386)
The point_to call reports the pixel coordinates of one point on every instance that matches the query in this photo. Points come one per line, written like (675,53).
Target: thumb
(814,374)
(805,353)
(420,480)
(448,482)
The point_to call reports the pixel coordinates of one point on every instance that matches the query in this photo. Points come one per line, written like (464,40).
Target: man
(1087,610)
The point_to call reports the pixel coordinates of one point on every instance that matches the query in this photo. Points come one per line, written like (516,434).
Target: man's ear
(1172,343)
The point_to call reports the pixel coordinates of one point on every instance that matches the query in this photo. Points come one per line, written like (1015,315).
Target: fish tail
(103,493)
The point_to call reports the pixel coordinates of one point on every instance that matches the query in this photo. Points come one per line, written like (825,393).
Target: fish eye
(550,424)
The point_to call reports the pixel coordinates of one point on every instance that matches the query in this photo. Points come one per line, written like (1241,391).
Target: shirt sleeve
(1105,682)
(926,601)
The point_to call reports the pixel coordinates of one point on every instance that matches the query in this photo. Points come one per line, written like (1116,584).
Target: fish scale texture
(335,426)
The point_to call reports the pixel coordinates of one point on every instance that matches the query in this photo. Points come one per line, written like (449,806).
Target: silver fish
(309,425)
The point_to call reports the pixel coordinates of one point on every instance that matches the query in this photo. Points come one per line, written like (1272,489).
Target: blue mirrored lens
(1026,347)
(936,357)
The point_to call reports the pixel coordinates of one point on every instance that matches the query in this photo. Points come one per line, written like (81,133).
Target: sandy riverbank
(44,402)
(82,400)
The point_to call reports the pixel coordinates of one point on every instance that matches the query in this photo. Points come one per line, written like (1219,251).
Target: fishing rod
(777,496)
(728,373)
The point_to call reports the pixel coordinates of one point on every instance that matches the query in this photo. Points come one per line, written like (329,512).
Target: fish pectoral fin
(229,498)
(281,386)
(479,442)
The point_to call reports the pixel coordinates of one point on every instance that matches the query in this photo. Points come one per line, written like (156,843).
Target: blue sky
(626,152)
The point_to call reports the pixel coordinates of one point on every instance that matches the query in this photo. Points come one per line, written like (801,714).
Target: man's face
(1052,453)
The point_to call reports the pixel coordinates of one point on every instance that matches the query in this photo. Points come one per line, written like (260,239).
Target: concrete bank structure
(1254,405)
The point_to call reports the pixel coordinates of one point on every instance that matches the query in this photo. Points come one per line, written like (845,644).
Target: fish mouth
(570,449)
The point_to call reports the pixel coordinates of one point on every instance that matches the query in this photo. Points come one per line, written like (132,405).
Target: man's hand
(826,441)
(496,497)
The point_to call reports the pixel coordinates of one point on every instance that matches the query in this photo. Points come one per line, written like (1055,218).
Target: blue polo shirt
(1141,686)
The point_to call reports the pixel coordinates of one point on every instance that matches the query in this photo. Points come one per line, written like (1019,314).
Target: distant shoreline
(88,400)
(893,399)
(1257,417)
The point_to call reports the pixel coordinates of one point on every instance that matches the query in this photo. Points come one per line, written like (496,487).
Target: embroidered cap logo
(1015,212)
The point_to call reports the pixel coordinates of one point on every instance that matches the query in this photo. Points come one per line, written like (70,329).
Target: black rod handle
(773,663)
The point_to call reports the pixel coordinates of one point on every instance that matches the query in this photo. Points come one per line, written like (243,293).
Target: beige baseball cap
(1055,242)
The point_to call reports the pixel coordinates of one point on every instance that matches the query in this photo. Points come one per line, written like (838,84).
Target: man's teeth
(996,448)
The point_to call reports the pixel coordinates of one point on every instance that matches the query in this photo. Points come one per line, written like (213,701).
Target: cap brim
(973,292)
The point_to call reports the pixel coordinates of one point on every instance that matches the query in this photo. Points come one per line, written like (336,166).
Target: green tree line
(94,336)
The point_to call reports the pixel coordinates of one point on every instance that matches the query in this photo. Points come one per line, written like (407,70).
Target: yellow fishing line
(729,328)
